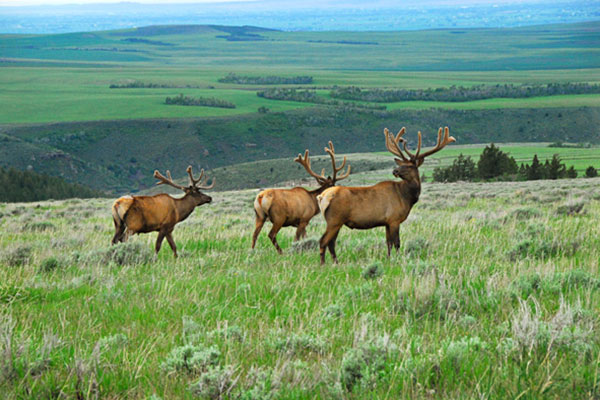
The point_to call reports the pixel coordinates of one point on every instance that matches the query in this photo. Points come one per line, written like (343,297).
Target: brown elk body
(384,204)
(296,206)
(159,213)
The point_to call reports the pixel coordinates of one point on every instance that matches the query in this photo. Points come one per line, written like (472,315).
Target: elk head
(193,190)
(323,181)
(409,163)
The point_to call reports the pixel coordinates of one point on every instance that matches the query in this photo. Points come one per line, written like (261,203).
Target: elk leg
(159,239)
(395,236)
(329,235)
(331,247)
(172,243)
(119,230)
(273,236)
(259,224)
(301,231)
(388,239)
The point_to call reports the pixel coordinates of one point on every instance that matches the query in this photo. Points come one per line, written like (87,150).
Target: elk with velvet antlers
(384,204)
(161,212)
(296,206)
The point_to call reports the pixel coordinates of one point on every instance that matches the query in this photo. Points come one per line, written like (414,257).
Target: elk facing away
(296,206)
(161,212)
(384,204)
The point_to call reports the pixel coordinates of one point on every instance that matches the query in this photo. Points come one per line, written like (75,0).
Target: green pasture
(53,78)
(45,94)
(493,294)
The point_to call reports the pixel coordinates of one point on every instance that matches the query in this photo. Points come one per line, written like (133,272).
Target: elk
(161,212)
(386,204)
(296,206)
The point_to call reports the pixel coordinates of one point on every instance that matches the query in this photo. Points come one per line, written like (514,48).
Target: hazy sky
(54,2)
(324,2)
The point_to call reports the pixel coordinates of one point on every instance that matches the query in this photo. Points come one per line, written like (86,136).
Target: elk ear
(400,162)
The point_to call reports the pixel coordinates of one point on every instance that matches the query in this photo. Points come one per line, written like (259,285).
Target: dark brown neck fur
(185,206)
(410,191)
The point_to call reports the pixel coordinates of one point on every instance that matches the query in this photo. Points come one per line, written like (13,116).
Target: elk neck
(184,206)
(410,190)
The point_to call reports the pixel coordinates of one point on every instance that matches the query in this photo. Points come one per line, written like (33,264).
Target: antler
(194,182)
(331,152)
(167,180)
(441,142)
(305,162)
(391,142)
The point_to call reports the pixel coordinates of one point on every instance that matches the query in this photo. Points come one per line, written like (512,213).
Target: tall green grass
(494,293)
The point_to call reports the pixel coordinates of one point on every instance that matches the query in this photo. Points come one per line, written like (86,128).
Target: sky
(60,2)
(366,2)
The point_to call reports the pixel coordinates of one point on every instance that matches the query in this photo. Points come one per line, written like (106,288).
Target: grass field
(54,78)
(493,294)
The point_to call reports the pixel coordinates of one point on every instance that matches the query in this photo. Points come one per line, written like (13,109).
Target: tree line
(494,164)
(266,80)
(182,100)
(461,93)
(147,85)
(21,186)
(311,96)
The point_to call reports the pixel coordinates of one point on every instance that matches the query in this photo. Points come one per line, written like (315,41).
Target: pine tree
(591,172)
(535,170)
(555,169)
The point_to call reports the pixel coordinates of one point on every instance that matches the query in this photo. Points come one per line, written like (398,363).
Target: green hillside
(91,106)
(121,155)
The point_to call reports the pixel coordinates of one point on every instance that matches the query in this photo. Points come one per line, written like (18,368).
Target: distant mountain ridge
(383,15)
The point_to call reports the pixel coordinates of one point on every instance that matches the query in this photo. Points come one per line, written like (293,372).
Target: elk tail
(262,204)
(323,200)
(120,208)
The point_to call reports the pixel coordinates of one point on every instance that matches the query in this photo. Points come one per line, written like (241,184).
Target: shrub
(571,208)
(416,247)
(298,344)
(49,264)
(190,359)
(305,245)
(372,271)
(128,253)
(365,363)
(542,248)
(17,256)
(459,351)
(215,383)
(115,341)
(526,213)
(333,311)
(232,332)
(38,226)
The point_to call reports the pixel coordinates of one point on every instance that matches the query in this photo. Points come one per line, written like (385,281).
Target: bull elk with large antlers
(384,204)
(296,206)
(161,212)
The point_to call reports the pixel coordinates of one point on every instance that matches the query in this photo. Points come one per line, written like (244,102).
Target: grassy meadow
(493,294)
(66,77)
